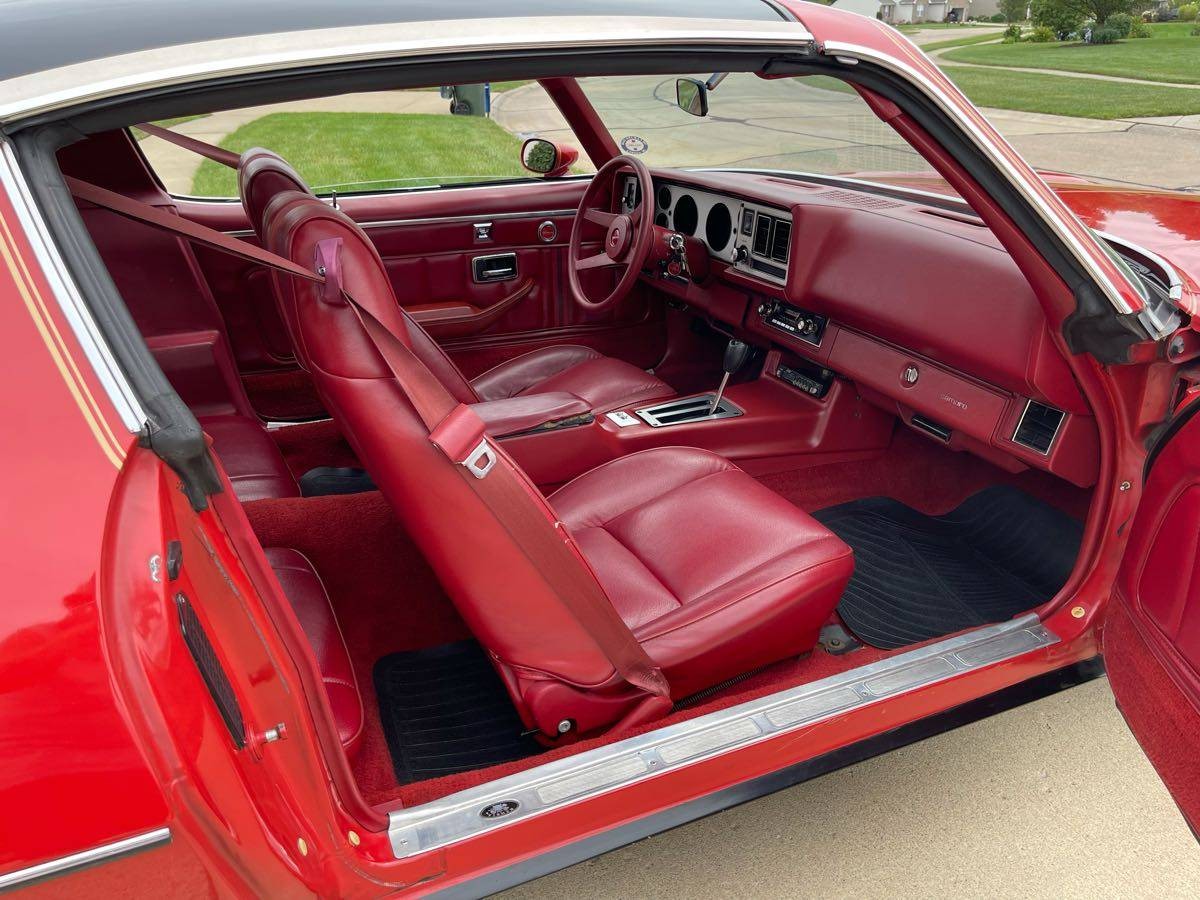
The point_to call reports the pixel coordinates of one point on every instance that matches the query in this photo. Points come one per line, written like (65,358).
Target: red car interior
(678,567)
(695,622)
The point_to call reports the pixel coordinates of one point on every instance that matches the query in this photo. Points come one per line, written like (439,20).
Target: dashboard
(911,299)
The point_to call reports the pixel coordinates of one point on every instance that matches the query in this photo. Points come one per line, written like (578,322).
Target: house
(899,12)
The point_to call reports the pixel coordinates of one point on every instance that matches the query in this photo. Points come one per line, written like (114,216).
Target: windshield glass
(813,124)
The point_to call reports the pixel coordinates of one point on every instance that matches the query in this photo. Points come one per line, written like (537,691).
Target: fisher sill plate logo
(500,809)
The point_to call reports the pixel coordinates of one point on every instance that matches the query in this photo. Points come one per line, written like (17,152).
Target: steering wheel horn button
(617,240)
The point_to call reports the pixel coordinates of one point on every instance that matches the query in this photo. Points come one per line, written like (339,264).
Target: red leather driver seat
(753,586)
(603,383)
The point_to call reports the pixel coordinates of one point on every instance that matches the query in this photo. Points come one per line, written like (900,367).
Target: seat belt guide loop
(461,436)
(328,264)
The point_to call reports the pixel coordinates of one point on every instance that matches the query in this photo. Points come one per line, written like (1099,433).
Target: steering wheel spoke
(599,261)
(599,217)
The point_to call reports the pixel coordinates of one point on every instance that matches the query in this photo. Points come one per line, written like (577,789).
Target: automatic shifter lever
(736,354)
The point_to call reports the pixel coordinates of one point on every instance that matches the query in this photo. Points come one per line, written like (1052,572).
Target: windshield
(812,124)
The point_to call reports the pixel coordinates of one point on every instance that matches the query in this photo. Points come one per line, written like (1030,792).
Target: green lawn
(387,150)
(1171,55)
(1063,96)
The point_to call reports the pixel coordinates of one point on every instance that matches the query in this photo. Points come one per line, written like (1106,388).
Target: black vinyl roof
(36,35)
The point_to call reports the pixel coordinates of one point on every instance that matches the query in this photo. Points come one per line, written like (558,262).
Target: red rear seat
(307,595)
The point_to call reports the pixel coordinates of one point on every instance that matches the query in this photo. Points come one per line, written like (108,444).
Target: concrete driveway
(1050,800)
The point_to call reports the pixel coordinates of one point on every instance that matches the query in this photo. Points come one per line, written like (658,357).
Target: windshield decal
(633,144)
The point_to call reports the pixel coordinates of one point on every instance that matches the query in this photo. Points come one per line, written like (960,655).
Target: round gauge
(687,216)
(718,227)
(664,197)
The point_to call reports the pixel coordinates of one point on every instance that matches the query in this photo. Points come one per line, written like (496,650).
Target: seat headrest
(262,176)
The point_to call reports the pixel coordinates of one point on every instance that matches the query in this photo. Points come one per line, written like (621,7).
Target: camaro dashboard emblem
(500,809)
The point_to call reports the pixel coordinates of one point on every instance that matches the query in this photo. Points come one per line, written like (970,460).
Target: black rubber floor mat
(916,577)
(445,710)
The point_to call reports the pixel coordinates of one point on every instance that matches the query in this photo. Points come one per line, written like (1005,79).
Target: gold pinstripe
(52,338)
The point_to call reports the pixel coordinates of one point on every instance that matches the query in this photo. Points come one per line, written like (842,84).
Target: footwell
(444,710)
(999,553)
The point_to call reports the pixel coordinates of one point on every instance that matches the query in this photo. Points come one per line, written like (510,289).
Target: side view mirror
(547,158)
(692,96)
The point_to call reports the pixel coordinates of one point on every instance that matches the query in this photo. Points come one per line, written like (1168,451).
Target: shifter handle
(736,354)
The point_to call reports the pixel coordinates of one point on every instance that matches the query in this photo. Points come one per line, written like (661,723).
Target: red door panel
(1152,631)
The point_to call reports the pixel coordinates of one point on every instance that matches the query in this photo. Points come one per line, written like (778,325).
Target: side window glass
(371,142)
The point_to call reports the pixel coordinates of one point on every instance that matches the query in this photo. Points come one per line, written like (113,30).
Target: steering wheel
(626,237)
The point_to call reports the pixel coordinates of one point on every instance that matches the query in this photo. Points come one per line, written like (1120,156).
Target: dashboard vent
(772,238)
(1038,426)
(762,235)
(780,241)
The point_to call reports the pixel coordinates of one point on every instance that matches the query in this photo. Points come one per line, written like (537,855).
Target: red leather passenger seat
(304,590)
(714,573)
(671,562)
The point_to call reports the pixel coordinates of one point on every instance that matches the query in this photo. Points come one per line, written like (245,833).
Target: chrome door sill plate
(687,411)
(564,781)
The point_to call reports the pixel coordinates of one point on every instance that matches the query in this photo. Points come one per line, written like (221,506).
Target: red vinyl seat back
(264,175)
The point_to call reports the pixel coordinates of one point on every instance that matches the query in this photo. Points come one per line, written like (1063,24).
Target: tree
(1014,10)
(1100,10)
(1065,16)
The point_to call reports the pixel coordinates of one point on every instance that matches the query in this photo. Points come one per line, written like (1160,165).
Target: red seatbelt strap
(456,430)
(518,506)
(202,148)
(178,225)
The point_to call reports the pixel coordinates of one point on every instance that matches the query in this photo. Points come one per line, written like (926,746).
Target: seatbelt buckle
(481,460)
(461,436)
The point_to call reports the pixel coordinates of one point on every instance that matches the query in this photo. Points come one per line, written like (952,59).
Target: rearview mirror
(547,158)
(692,96)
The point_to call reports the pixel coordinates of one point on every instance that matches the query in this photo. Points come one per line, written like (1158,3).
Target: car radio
(807,326)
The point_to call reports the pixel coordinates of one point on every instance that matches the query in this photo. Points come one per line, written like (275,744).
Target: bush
(998,17)
(1061,18)
(1196,31)
(1012,34)
(1041,35)
(1104,34)
(1140,30)
(1187,12)
(1122,23)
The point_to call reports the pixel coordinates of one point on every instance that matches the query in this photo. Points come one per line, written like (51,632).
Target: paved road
(1050,800)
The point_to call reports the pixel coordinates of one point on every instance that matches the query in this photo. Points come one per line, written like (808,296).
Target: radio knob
(809,326)
(767,307)
(741,254)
